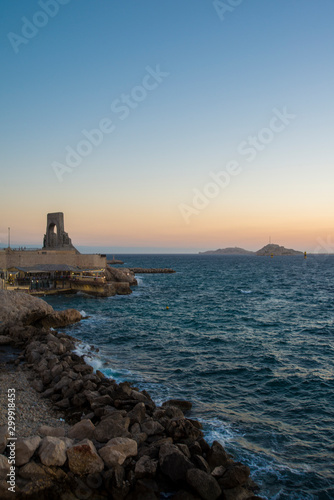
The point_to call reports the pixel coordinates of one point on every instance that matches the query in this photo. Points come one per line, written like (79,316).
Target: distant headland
(268,250)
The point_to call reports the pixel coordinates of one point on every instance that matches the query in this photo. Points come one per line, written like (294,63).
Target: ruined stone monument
(56,238)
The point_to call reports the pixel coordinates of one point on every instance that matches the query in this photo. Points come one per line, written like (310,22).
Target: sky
(169,126)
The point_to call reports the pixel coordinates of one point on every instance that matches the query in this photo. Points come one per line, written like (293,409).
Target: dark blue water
(250,340)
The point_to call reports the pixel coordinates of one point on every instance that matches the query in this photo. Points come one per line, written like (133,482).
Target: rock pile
(120,444)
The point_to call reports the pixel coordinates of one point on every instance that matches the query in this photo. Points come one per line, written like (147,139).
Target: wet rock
(218,472)
(173,463)
(58,319)
(25,448)
(84,459)
(238,493)
(5,340)
(183,405)
(201,463)
(182,430)
(236,475)
(218,456)
(204,484)
(52,451)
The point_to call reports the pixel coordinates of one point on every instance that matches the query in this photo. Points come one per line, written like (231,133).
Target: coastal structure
(54,265)
(57,250)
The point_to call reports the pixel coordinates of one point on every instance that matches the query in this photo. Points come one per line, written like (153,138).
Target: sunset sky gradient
(219,77)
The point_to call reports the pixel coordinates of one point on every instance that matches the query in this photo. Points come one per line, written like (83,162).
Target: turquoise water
(250,340)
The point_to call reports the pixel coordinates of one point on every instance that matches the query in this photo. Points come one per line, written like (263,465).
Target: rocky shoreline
(112,442)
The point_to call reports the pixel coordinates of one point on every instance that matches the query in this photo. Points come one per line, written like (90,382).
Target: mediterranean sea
(249,340)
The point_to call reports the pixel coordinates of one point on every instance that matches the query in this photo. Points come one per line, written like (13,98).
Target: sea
(248,339)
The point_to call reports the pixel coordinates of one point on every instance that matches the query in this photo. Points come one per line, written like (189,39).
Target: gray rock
(238,493)
(137,414)
(84,459)
(145,467)
(3,437)
(236,475)
(25,448)
(218,456)
(82,430)
(5,340)
(111,427)
(174,463)
(117,450)
(4,467)
(32,471)
(151,427)
(204,484)
(46,430)
(179,403)
(52,451)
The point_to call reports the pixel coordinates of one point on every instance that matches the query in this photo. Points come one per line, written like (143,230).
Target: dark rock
(111,427)
(236,475)
(183,405)
(145,467)
(173,463)
(201,463)
(183,431)
(204,484)
(218,456)
(137,414)
(151,427)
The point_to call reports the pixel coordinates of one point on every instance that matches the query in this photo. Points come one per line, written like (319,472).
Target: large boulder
(117,450)
(81,430)
(113,426)
(173,463)
(118,275)
(20,307)
(3,437)
(4,467)
(234,476)
(204,484)
(52,451)
(25,448)
(58,319)
(84,459)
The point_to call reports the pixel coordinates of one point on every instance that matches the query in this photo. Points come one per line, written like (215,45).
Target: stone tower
(56,238)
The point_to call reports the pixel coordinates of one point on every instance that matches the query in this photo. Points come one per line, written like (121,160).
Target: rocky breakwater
(152,270)
(121,279)
(120,445)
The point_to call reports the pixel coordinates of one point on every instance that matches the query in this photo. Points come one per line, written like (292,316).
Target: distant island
(272,249)
(228,251)
(267,250)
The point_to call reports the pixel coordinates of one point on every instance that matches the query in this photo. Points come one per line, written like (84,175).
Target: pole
(9,237)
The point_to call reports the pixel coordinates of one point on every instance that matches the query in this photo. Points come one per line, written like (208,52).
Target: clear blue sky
(220,81)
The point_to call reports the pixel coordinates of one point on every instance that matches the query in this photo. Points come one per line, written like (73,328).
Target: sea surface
(249,340)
